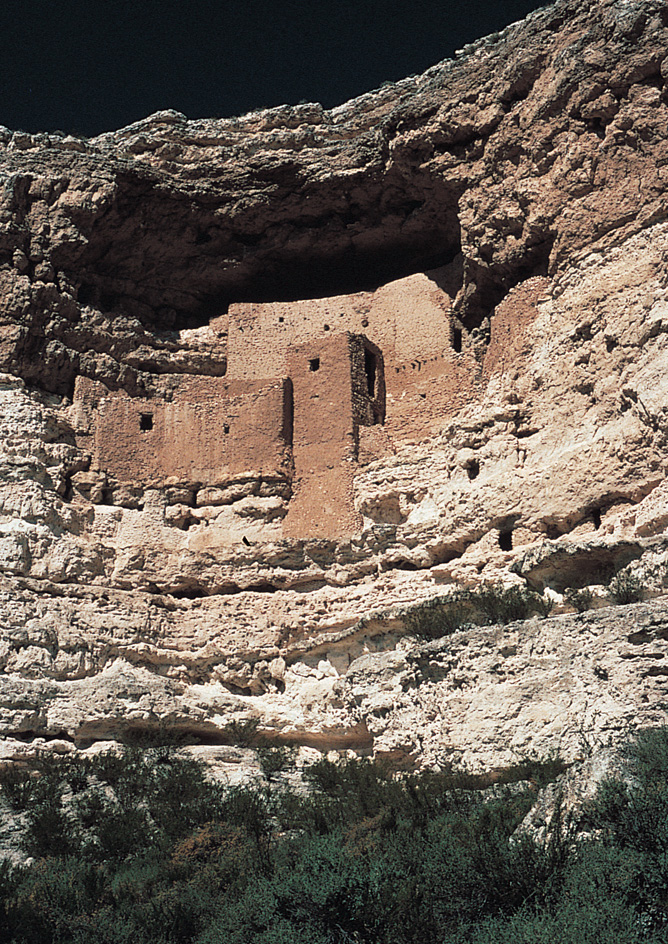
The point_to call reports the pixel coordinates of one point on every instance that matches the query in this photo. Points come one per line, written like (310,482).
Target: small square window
(314,363)
(145,422)
(226,428)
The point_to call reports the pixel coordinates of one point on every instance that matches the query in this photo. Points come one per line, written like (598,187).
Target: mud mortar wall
(211,429)
(324,437)
(410,320)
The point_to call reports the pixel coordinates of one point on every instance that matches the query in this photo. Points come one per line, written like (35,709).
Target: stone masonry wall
(209,430)
(324,438)
(411,322)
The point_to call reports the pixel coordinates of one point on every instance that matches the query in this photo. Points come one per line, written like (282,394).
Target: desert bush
(244,733)
(440,616)
(275,758)
(580,600)
(499,604)
(489,604)
(626,588)
(363,856)
(16,786)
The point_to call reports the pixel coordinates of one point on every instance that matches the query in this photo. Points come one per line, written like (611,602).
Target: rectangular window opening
(145,422)
(314,364)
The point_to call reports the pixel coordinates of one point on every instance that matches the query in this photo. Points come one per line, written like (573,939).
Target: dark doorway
(506,540)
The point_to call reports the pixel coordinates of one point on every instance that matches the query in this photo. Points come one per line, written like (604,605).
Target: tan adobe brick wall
(410,322)
(208,431)
(422,394)
(327,404)
(406,319)
(511,338)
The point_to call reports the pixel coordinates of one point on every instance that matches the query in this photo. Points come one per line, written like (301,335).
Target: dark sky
(88,66)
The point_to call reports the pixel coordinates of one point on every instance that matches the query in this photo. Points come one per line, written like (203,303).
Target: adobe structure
(313,388)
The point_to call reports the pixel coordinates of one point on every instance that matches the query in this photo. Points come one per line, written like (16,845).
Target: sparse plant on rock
(499,604)
(440,616)
(626,588)
(244,733)
(580,600)
(275,758)
(489,604)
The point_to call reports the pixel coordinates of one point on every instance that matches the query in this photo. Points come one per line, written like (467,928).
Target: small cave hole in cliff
(506,540)
(145,422)
(457,340)
(226,428)
(472,470)
(314,364)
(370,371)
(596,517)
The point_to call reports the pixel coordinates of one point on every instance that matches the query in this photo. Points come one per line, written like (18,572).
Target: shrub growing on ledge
(440,616)
(626,588)
(499,604)
(580,600)
(489,604)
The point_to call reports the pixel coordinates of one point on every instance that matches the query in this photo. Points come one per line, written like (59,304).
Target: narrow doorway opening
(506,540)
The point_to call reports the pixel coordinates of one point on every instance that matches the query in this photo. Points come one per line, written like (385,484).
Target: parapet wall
(429,369)
(209,430)
(406,319)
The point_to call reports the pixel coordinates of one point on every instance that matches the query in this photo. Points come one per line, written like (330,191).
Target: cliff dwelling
(312,388)
(286,396)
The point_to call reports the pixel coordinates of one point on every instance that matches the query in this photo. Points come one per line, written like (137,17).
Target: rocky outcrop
(518,190)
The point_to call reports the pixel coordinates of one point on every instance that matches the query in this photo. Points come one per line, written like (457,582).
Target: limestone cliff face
(270,381)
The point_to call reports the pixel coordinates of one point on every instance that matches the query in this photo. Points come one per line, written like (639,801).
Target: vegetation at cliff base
(144,847)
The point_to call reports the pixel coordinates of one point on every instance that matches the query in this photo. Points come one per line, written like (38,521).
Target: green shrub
(363,856)
(244,733)
(626,588)
(16,787)
(580,600)
(499,604)
(275,758)
(438,617)
(489,604)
